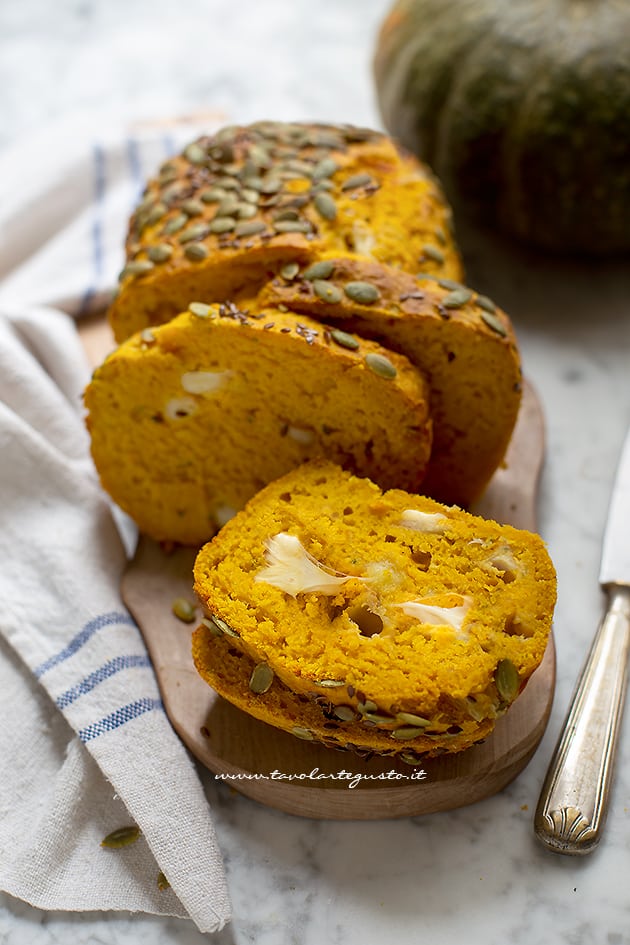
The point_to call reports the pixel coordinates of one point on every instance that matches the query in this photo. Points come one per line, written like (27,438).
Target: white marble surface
(475,874)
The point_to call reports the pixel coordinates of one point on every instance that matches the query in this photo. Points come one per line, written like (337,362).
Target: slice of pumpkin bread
(378,621)
(188,420)
(463,343)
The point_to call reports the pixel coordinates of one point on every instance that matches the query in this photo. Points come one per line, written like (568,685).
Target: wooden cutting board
(302,778)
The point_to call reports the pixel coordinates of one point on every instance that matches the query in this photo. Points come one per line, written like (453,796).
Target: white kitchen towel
(85,745)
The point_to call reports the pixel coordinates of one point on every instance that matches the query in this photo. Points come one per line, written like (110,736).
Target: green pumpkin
(522,108)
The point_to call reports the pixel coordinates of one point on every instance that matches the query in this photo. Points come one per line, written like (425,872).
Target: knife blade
(573,802)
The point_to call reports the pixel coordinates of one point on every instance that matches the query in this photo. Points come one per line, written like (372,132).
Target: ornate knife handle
(573,802)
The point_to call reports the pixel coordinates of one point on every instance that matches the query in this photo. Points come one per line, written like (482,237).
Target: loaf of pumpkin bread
(370,620)
(232,207)
(188,420)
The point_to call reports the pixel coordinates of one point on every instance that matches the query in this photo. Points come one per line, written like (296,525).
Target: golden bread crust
(218,216)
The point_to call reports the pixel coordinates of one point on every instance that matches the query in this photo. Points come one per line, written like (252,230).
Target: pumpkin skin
(522,108)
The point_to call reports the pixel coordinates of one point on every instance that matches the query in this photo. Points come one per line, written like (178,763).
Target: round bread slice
(190,419)
(461,341)
(379,621)
(221,215)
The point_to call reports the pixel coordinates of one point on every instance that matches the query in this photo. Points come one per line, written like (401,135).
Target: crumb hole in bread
(369,623)
(514,628)
(334,610)
(348,510)
(421,558)
(285,497)
(390,538)
(507,576)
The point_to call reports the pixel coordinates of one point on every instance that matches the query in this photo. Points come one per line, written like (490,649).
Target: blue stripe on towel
(104,620)
(104,672)
(115,719)
(98,171)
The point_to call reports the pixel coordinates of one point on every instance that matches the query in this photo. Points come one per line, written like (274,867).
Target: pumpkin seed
(411,719)
(474,711)
(290,271)
(222,225)
(325,206)
(123,837)
(227,629)
(330,683)
(250,196)
(196,252)
(343,339)
(213,195)
(138,267)
(326,291)
(376,718)
(357,180)
(487,304)
(221,625)
(450,284)
(288,213)
(168,173)
(228,183)
(212,627)
(195,153)
(195,232)
(192,207)
(324,168)
(253,182)
(457,297)
(156,214)
(344,712)
(319,270)
(363,292)
(160,252)
(292,226)
(410,757)
(380,365)
(323,185)
(493,322)
(227,206)
(200,309)
(183,610)
(301,168)
(304,733)
(259,156)
(367,706)
(175,224)
(261,678)
(507,680)
(432,252)
(172,193)
(407,731)
(269,185)
(162,882)
(250,227)
(245,211)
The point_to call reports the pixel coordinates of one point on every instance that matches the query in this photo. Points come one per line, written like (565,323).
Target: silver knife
(573,802)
